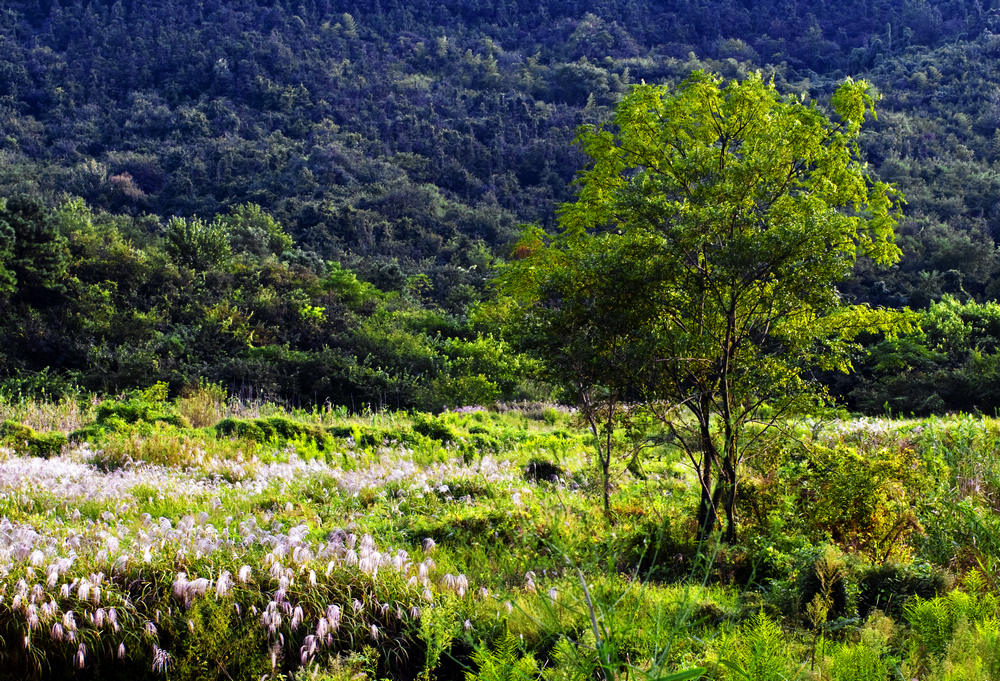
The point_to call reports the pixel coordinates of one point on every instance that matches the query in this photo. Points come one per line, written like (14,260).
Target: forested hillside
(406,141)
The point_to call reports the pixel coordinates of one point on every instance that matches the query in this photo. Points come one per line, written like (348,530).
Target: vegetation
(696,269)
(263,414)
(168,551)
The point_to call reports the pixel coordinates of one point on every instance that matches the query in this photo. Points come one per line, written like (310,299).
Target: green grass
(503,574)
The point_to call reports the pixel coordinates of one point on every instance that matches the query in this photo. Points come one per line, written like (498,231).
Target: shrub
(24,438)
(540,469)
(272,429)
(142,406)
(204,405)
(434,428)
(888,587)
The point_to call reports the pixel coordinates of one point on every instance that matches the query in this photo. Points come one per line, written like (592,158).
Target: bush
(540,469)
(272,429)
(434,428)
(25,439)
(142,406)
(204,405)
(888,587)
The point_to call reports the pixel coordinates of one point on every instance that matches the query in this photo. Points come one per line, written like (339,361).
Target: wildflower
(244,574)
(81,657)
(468,625)
(57,632)
(121,651)
(428,544)
(553,593)
(374,632)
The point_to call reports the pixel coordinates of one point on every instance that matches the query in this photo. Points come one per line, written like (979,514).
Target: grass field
(209,539)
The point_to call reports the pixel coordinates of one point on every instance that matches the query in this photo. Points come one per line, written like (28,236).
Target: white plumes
(222,584)
(161,660)
(121,651)
(333,616)
(80,659)
(244,574)
(180,585)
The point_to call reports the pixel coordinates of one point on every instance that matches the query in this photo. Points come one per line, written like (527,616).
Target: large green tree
(696,269)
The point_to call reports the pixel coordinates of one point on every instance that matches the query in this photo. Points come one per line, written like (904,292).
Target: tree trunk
(728,483)
(708,506)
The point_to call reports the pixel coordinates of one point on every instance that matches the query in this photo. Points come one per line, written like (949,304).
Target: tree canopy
(701,255)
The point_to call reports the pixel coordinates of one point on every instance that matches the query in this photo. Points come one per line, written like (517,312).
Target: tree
(696,269)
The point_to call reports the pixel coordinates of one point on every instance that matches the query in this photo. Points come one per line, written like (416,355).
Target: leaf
(685,675)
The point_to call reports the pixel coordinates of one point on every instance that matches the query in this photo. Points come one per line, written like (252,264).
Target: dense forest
(306,198)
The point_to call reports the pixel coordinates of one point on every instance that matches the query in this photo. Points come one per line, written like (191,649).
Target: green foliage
(866,501)
(935,622)
(696,268)
(504,662)
(272,429)
(142,406)
(24,439)
(951,364)
(758,652)
(218,644)
(861,662)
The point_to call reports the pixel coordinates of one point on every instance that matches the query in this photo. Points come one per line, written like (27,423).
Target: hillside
(409,132)
(406,142)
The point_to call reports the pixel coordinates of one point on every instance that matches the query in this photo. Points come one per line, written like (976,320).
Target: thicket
(111,303)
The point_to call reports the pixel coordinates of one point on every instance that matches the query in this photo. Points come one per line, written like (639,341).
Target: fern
(503,663)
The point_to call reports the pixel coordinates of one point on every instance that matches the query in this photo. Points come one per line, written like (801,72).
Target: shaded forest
(405,142)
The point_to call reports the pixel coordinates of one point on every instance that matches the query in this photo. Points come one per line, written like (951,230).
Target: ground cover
(205,538)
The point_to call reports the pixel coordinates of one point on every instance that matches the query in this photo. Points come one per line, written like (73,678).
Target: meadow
(209,538)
